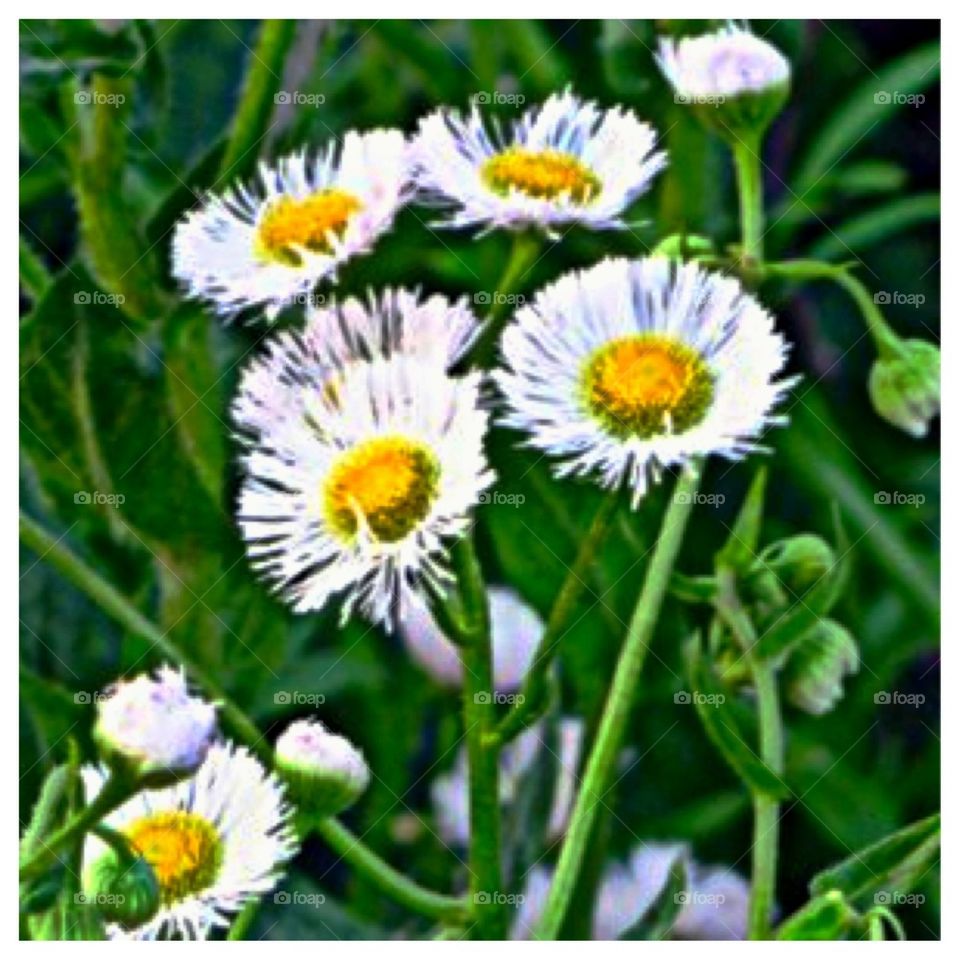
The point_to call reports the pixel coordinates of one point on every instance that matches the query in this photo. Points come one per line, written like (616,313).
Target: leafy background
(131,400)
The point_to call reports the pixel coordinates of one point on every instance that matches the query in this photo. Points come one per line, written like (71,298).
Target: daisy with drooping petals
(214,841)
(728,63)
(564,162)
(269,245)
(355,480)
(633,366)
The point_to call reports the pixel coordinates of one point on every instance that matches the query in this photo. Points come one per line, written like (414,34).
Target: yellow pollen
(647,384)
(288,224)
(545,174)
(184,850)
(388,483)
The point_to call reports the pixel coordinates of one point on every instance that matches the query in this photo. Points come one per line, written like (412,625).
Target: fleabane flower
(355,480)
(566,161)
(268,245)
(632,366)
(326,773)
(741,80)
(213,841)
(515,631)
(153,727)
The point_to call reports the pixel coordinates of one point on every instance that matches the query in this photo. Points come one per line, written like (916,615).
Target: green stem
(389,881)
(602,760)
(888,343)
(526,249)
(533,700)
(766,810)
(746,157)
(264,76)
(56,553)
(241,926)
(479,720)
(115,791)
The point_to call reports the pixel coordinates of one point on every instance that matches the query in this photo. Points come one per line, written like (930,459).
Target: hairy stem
(602,760)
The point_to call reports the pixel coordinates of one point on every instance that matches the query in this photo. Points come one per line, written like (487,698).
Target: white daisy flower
(214,842)
(155,725)
(633,366)
(268,245)
(354,483)
(564,162)
(728,63)
(515,631)
(715,905)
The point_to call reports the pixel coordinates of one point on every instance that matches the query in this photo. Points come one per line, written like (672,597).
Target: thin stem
(389,881)
(746,157)
(264,76)
(888,343)
(602,760)
(58,555)
(766,810)
(479,720)
(533,699)
(526,249)
(114,792)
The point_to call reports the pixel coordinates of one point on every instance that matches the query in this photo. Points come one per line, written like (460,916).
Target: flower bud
(737,82)
(799,561)
(325,772)
(124,890)
(814,674)
(904,386)
(152,730)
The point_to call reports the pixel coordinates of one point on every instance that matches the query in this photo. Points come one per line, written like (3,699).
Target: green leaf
(872,103)
(885,869)
(826,917)
(658,920)
(48,809)
(740,549)
(714,707)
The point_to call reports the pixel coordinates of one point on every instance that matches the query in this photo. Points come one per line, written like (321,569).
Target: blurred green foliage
(127,398)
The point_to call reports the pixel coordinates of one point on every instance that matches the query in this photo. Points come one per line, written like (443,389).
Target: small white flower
(633,366)
(715,906)
(731,62)
(354,481)
(326,772)
(269,244)
(564,162)
(450,792)
(515,631)
(155,725)
(214,841)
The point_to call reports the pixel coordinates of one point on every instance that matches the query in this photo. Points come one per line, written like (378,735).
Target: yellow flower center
(288,224)
(389,483)
(647,384)
(545,174)
(184,850)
